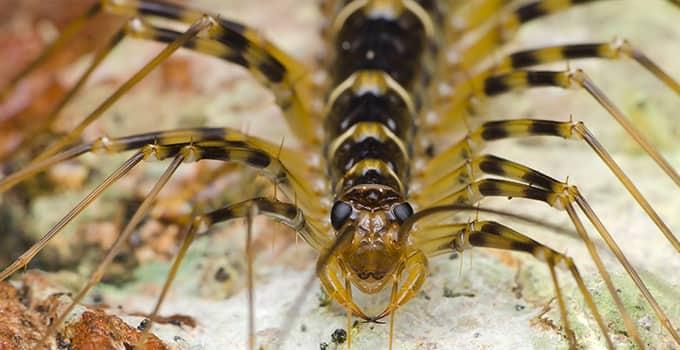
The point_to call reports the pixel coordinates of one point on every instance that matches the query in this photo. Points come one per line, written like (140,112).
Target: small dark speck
(618,290)
(354,325)
(424,295)
(221,275)
(429,150)
(303,328)
(97,298)
(178,339)
(519,307)
(453,256)
(143,324)
(339,336)
(477,334)
(323,346)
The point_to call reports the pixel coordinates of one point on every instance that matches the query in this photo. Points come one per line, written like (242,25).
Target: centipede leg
(285,213)
(67,33)
(162,144)
(180,152)
(26,257)
(227,40)
(520,79)
(503,27)
(617,49)
(435,171)
(196,28)
(563,198)
(97,275)
(491,234)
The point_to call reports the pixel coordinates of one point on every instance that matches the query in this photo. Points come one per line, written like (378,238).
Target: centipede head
(374,214)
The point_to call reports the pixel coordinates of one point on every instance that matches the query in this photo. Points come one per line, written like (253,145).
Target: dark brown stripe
(524,59)
(545,127)
(581,50)
(495,85)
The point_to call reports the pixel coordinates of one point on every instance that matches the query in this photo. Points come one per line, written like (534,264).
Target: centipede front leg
(294,174)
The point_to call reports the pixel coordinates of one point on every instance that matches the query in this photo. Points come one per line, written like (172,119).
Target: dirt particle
(339,336)
(221,275)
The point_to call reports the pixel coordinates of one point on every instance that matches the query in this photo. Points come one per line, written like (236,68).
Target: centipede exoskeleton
(405,121)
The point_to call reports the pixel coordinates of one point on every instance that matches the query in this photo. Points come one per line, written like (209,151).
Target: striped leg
(489,234)
(562,196)
(437,176)
(520,79)
(617,49)
(191,145)
(202,24)
(226,39)
(285,213)
(503,27)
(270,157)
(181,153)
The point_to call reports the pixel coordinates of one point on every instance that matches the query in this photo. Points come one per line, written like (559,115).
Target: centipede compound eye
(340,212)
(402,211)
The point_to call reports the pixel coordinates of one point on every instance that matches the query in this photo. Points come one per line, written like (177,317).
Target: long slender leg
(282,74)
(494,235)
(564,199)
(27,256)
(437,172)
(520,79)
(228,40)
(225,151)
(285,213)
(117,245)
(197,27)
(616,49)
(260,152)
(250,281)
(68,33)
(189,152)
(504,27)
(29,135)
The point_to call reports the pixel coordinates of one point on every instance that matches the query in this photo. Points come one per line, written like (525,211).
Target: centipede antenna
(348,286)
